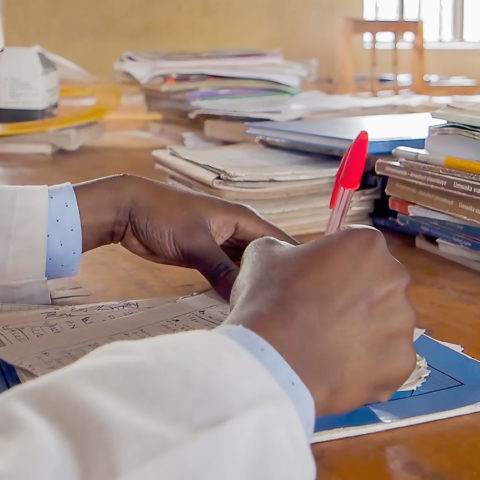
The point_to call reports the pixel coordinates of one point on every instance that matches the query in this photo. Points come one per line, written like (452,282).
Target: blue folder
(453,383)
(385,132)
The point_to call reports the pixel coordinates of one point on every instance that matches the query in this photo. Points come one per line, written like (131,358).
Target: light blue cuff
(279,369)
(64,238)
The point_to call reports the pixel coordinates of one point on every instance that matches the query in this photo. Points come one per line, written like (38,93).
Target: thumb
(214,264)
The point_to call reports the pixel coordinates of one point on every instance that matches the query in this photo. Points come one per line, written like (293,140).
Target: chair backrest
(345,71)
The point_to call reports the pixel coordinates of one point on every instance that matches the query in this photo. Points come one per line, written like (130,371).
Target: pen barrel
(340,211)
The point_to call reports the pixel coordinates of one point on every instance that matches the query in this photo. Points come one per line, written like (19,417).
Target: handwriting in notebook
(26,326)
(54,351)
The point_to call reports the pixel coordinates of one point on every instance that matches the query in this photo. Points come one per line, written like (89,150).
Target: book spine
(399,205)
(438,232)
(467,230)
(439,181)
(392,224)
(457,205)
(426,167)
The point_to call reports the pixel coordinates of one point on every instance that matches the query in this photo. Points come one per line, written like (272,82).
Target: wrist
(104,206)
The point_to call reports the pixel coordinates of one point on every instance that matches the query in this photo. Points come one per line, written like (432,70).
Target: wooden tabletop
(445,296)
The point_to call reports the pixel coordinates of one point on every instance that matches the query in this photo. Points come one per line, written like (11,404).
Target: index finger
(250,225)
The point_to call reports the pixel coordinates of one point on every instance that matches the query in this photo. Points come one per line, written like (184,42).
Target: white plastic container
(29,85)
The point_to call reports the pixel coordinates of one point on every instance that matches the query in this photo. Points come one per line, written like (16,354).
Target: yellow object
(78,90)
(463,165)
(108,99)
(134,116)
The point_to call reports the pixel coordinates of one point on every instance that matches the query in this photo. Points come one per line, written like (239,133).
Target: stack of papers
(159,68)
(290,189)
(460,136)
(238,83)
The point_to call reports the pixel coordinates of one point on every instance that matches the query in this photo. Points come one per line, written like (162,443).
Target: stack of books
(435,192)
(291,189)
(235,83)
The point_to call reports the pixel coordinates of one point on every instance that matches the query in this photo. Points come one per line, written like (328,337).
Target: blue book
(391,224)
(426,228)
(464,229)
(451,389)
(3,381)
(385,132)
(8,376)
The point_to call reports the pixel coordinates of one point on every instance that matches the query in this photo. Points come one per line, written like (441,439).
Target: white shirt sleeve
(280,370)
(183,406)
(23,237)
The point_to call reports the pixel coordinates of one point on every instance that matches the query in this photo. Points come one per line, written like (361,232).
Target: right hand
(336,309)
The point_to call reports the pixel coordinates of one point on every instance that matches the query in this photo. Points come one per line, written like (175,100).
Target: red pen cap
(352,166)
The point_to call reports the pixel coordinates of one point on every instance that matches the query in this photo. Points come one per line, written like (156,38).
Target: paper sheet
(50,352)
(19,327)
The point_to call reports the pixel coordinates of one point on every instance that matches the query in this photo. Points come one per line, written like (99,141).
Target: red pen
(347,181)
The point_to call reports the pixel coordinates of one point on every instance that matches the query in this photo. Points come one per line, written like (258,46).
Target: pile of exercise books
(288,188)
(435,192)
(242,83)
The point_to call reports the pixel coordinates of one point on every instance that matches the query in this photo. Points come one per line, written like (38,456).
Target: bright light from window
(369,10)
(388,10)
(446,20)
(442,19)
(430,14)
(411,9)
(471,31)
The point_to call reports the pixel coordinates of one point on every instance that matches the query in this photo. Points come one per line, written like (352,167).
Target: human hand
(335,309)
(171,225)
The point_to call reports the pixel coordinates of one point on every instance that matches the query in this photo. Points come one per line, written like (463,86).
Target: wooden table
(445,295)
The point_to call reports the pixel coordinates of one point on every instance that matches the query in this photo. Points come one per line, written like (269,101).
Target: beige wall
(94,32)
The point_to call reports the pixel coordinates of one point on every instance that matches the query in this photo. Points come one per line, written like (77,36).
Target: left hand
(174,226)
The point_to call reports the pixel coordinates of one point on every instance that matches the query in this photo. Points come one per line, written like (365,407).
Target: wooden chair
(345,69)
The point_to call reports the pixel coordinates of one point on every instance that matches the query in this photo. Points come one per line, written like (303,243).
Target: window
(445,22)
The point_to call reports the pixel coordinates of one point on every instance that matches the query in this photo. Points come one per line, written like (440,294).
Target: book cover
(434,218)
(454,145)
(433,247)
(451,389)
(427,228)
(399,205)
(459,206)
(436,168)
(8,376)
(408,173)
(386,132)
(390,223)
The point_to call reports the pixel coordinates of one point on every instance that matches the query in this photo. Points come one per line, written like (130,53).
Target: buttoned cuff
(64,237)
(280,370)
